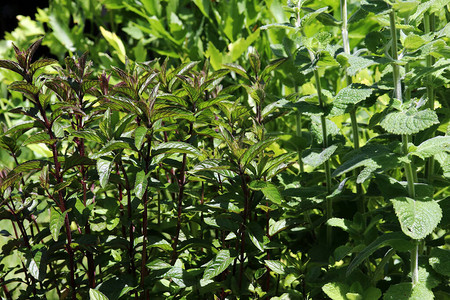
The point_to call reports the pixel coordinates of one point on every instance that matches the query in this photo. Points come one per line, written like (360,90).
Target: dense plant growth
(301,154)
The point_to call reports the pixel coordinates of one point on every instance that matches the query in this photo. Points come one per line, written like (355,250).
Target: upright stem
(323,121)
(409,173)
(428,22)
(298,129)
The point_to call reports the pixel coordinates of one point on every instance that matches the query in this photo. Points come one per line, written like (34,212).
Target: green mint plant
(193,180)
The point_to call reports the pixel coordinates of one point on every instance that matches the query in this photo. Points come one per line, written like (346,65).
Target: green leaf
(279,26)
(418,218)
(77,160)
(43,62)
(109,147)
(56,222)
(356,63)
(175,147)
(104,169)
(115,42)
(375,158)
(89,135)
(96,295)
(440,261)
(219,264)
(139,136)
(433,146)
(344,224)
(11,65)
(254,150)
(336,290)
(409,122)
(381,241)
(406,291)
(315,157)
(275,266)
(140,185)
(269,190)
(38,138)
(24,87)
(348,97)
(238,69)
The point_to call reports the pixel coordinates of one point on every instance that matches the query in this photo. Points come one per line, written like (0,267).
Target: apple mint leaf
(418,218)
(349,96)
(409,122)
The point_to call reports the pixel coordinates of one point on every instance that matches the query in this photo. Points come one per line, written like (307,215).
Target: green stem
(408,165)
(298,129)
(329,203)
(429,27)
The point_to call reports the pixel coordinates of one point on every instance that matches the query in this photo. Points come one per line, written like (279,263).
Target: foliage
(221,171)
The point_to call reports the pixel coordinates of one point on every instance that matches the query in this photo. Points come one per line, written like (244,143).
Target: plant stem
(298,129)
(353,119)
(323,121)
(409,173)
(429,27)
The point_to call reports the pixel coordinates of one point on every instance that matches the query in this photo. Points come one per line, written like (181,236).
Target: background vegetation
(226,149)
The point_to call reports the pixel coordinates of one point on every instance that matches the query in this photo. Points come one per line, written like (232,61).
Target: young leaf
(409,122)
(219,264)
(56,222)
(418,218)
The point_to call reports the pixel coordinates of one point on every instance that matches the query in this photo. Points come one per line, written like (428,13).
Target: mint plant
(313,164)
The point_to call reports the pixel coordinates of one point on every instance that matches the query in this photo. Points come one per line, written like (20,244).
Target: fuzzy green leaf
(316,157)
(406,291)
(409,122)
(433,146)
(219,264)
(440,261)
(349,96)
(56,222)
(418,218)
(355,63)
